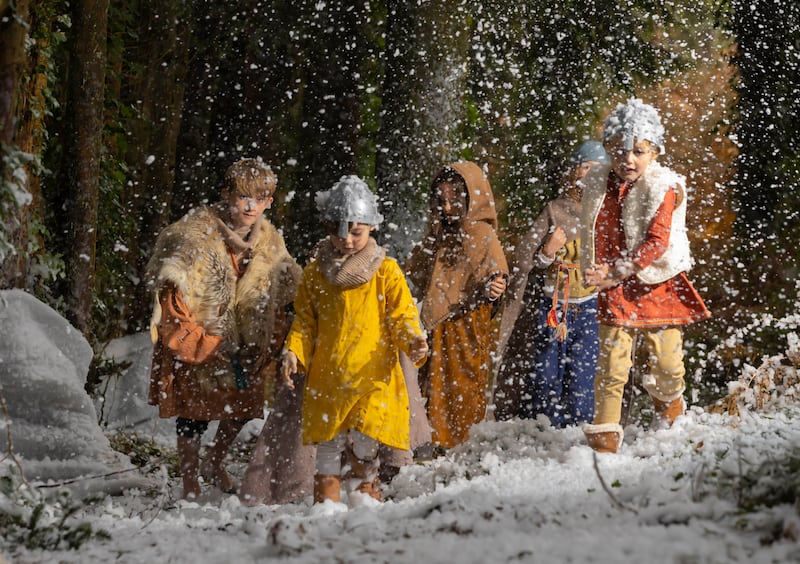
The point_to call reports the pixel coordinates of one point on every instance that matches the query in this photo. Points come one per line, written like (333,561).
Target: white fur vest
(191,254)
(638,209)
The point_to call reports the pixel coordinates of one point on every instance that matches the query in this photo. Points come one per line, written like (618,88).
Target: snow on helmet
(349,201)
(589,151)
(635,120)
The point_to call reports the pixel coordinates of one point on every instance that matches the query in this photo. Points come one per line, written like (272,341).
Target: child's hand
(497,286)
(419,348)
(554,242)
(288,368)
(595,275)
(601,277)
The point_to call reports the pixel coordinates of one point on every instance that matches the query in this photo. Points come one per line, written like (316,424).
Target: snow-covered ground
(516,492)
(714,488)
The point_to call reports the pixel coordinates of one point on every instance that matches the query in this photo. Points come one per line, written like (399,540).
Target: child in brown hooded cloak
(459,272)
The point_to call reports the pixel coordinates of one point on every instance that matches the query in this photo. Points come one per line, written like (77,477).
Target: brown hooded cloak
(451,273)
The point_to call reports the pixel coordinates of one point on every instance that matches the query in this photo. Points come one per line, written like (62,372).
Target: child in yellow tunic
(354,313)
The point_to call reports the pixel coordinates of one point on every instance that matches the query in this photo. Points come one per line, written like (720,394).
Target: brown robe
(452,273)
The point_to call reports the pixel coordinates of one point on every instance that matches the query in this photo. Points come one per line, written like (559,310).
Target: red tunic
(634,303)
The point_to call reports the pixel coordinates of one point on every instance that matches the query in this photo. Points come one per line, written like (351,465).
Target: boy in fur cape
(221,277)
(634,248)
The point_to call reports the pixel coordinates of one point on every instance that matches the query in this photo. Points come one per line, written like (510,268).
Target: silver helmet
(349,201)
(635,120)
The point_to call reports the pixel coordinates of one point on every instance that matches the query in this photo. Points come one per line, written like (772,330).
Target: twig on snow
(163,500)
(697,482)
(157,461)
(614,499)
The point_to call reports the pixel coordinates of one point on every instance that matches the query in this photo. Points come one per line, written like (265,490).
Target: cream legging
(663,381)
(329,453)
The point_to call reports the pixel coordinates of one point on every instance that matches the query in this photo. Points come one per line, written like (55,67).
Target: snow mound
(53,423)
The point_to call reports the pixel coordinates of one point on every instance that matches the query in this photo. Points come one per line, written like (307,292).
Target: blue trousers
(561,382)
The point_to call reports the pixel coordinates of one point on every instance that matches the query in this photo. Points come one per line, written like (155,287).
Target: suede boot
(214,473)
(668,412)
(367,472)
(606,437)
(327,486)
(189,461)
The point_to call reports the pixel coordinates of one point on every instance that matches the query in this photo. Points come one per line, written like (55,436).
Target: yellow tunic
(348,341)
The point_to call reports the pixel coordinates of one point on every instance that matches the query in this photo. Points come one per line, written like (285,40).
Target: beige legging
(663,381)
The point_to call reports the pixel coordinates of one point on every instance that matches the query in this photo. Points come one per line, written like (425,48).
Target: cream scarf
(353,270)
(240,243)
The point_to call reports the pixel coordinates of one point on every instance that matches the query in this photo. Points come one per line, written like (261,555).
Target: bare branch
(614,499)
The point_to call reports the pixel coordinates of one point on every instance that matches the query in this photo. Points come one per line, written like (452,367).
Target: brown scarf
(353,270)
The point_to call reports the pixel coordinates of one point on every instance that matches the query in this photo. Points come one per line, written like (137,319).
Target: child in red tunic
(636,252)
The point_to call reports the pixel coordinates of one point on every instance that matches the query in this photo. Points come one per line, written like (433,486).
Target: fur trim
(651,390)
(591,429)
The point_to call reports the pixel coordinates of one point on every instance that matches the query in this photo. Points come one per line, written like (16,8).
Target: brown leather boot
(327,486)
(367,472)
(212,469)
(606,437)
(189,461)
(668,412)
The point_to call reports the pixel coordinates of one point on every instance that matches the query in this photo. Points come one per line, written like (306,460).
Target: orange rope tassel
(552,315)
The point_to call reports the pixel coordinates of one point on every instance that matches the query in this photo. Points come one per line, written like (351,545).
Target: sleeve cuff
(543,261)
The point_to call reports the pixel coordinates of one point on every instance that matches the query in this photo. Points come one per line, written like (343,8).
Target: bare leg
(213,468)
(189,460)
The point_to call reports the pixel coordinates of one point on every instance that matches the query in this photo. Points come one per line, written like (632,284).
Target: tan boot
(668,412)
(367,472)
(189,461)
(606,437)
(327,486)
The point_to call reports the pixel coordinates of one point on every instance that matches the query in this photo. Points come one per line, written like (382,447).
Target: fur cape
(191,255)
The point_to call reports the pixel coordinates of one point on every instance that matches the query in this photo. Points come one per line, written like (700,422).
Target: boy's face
(629,165)
(451,201)
(357,238)
(580,171)
(245,210)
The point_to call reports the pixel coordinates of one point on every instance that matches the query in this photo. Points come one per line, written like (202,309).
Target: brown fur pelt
(191,255)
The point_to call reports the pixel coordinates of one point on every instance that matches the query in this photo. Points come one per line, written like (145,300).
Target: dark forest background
(118,117)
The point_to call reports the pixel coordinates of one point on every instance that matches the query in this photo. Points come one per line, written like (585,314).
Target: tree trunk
(86,85)
(13,30)
(166,59)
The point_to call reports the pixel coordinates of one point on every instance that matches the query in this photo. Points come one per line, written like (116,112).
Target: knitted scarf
(353,270)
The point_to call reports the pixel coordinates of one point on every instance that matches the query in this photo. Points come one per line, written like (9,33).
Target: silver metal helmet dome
(349,201)
(635,120)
